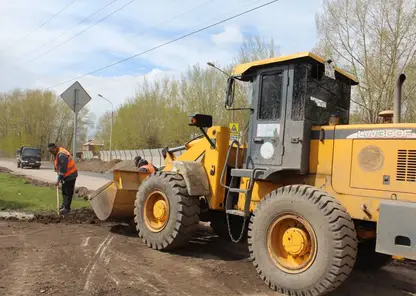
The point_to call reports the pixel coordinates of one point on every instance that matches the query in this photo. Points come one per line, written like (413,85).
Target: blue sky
(137,27)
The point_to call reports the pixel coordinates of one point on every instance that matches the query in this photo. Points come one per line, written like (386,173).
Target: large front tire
(302,241)
(166,216)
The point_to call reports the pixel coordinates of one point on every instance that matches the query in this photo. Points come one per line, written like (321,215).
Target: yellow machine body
(324,195)
(350,169)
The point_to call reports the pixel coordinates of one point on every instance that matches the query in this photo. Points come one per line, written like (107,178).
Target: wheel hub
(156,211)
(295,241)
(160,209)
(291,243)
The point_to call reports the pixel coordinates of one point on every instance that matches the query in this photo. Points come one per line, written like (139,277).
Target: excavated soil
(128,165)
(109,259)
(75,216)
(96,165)
(5,170)
(80,192)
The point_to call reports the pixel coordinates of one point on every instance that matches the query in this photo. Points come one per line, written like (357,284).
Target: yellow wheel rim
(156,211)
(291,243)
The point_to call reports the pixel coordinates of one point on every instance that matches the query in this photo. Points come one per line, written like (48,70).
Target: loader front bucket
(115,200)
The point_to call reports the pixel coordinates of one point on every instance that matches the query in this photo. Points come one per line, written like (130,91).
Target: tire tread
(342,228)
(187,217)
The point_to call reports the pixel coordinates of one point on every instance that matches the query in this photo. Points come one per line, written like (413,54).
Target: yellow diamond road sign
(234,129)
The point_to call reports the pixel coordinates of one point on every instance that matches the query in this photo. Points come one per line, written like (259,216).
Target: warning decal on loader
(234,130)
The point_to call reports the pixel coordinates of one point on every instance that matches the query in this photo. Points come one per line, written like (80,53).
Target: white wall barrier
(153,156)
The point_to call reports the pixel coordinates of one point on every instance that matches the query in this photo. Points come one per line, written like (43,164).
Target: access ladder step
(241,173)
(238,190)
(236,213)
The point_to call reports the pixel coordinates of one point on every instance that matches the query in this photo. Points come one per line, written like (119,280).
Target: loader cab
(290,94)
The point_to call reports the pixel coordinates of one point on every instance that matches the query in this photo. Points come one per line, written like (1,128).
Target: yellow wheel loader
(313,195)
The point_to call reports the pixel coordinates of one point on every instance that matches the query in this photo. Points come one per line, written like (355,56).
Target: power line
(70,29)
(134,36)
(173,18)
(167,43)
(35,30)
(76,35)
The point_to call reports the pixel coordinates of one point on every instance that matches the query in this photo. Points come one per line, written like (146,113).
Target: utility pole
(74,153)
(112,122)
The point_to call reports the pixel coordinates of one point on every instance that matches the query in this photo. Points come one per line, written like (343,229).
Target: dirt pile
(80,192)
(127,165)
(96,165)
(75,216)
(35,182)
(5,170)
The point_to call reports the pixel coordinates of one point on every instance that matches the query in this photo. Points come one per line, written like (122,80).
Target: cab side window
(271,96)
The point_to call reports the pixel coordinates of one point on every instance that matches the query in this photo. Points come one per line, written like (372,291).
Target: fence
(154,156)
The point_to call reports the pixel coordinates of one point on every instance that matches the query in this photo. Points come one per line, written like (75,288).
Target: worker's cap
(142,162)
(51,146)
(137,159)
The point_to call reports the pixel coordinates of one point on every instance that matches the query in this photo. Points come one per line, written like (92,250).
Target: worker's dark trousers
(68,188)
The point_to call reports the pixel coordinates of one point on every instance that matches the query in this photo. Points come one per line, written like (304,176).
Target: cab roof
(242,69)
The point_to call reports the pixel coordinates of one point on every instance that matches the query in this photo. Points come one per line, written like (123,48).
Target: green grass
(16,195)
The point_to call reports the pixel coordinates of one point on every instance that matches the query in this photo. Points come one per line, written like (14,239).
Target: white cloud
(136,28)
(231,35)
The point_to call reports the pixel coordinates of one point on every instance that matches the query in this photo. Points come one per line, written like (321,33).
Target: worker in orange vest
(67,172)
(144,166)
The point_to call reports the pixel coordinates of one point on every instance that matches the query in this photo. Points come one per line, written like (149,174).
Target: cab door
(268,119)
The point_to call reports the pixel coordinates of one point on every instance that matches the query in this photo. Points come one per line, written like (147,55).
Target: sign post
(75,123)
(76,97)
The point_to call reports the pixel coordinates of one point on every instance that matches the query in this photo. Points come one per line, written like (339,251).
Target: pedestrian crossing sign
(234,129)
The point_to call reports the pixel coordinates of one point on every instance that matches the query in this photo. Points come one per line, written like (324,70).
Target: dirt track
(108,259)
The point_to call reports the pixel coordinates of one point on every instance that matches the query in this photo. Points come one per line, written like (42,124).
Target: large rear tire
(166,216)
(302,241)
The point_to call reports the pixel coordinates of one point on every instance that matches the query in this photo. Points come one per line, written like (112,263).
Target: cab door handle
(258,140)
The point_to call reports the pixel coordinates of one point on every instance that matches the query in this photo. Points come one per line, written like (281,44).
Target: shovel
(57,199)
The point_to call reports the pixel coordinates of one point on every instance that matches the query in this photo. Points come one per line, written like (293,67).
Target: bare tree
(375,40)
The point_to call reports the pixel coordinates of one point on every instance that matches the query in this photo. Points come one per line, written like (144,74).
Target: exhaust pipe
(398,98)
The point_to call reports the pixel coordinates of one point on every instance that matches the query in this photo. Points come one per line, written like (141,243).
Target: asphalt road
(91,180)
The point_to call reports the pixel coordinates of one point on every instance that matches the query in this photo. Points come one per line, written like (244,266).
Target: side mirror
(229,96)
(201,120)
